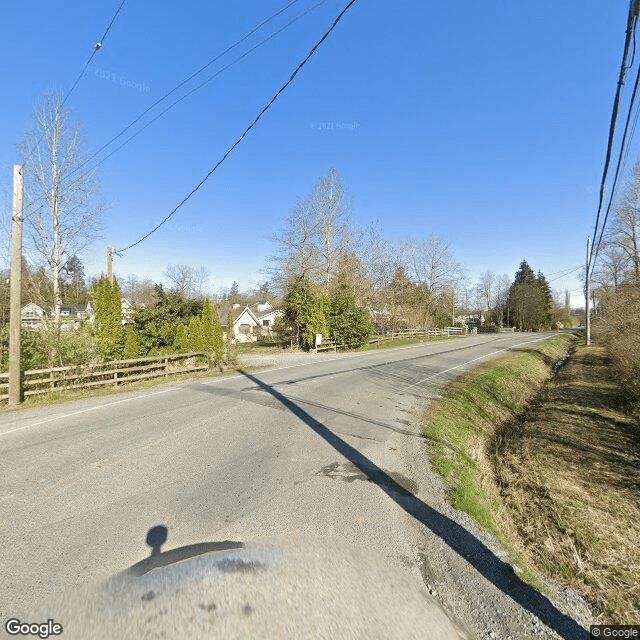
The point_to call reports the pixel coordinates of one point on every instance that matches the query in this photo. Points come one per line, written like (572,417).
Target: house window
(245,329)
(265,323)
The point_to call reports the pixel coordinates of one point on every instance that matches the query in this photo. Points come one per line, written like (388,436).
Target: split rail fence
(419,333)
(114,373)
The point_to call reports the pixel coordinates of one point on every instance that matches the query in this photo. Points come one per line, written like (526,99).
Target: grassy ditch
(551,467)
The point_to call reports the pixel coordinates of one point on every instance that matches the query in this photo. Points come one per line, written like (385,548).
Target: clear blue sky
(482,121)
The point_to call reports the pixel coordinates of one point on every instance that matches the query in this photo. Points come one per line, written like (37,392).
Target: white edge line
(486,355)
(75,413)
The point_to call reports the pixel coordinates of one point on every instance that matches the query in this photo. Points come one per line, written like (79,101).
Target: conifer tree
(349,325)
(305,309)
(212,334)
(108,321)
(181,343)
(131,348)
(195,340)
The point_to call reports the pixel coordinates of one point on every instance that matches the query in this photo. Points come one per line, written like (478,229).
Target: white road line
(305,364)
(486,355)
(75,413)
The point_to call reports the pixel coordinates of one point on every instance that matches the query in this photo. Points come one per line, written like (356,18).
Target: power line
(623,148)
(631,21)
(246,131)
(563,274)
(198,87)
(33,205)
(97,46)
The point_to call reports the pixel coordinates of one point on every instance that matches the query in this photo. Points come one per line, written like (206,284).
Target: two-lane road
(310,451)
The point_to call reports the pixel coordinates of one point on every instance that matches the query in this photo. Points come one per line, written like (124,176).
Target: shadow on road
(457,537)
(157,536)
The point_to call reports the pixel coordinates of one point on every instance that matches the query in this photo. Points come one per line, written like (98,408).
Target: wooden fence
(114,373)
(419,333)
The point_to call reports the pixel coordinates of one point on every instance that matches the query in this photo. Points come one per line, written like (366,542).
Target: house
(250,321)
(127,310)
(72,316)
(32,315)
(266,315)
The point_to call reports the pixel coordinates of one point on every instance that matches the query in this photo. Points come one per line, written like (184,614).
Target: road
(328,450)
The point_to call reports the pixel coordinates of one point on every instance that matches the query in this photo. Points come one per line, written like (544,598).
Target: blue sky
(484,122)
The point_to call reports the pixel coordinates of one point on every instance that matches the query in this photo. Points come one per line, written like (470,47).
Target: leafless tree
(187,281)
(139,291)
(317,235)
(486,284)
(60,208)
(431,262)
(610,267)
(625,229)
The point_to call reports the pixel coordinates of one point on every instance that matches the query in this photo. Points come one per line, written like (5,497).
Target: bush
(617,326)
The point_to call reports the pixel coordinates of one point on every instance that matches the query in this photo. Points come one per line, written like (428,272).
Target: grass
(551,467)
(401,342)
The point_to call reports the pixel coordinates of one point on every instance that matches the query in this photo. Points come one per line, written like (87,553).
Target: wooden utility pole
(587,295)
(16,285)
(110,265)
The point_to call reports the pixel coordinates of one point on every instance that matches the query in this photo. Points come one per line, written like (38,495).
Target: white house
(266,315)
(250,321)
(32,315)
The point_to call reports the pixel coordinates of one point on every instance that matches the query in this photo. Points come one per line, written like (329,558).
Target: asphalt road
(306,454)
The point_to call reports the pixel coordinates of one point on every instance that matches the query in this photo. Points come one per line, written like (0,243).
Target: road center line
(75,413)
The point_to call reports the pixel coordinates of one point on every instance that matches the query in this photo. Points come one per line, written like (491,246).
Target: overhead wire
(623,148)
(198,87)
(96,48)
(631,22)
(193,75)
(247,130)
(30,206)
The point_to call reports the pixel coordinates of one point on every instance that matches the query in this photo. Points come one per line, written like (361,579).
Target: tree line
(405,283)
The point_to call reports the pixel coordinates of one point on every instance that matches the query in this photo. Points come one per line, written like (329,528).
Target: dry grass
(568,480)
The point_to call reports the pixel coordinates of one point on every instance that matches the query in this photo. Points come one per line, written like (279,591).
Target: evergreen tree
(195,341)
(212,334)
(349,325)
(181,342)
(131,348)
(305,310)
(530,302)
(546,301)
(108,322)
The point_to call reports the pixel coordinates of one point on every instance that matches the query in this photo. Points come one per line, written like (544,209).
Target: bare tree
(486,284)
(431,262)
(317,235)
(188,282)
(610,267)
(59,193)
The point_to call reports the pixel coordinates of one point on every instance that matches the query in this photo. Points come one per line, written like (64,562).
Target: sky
(484,122)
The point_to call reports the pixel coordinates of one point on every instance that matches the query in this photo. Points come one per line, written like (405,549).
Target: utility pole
(587,294)
(16,285)
(110,265)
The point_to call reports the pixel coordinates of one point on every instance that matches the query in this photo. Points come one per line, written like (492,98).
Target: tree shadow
(475,552)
